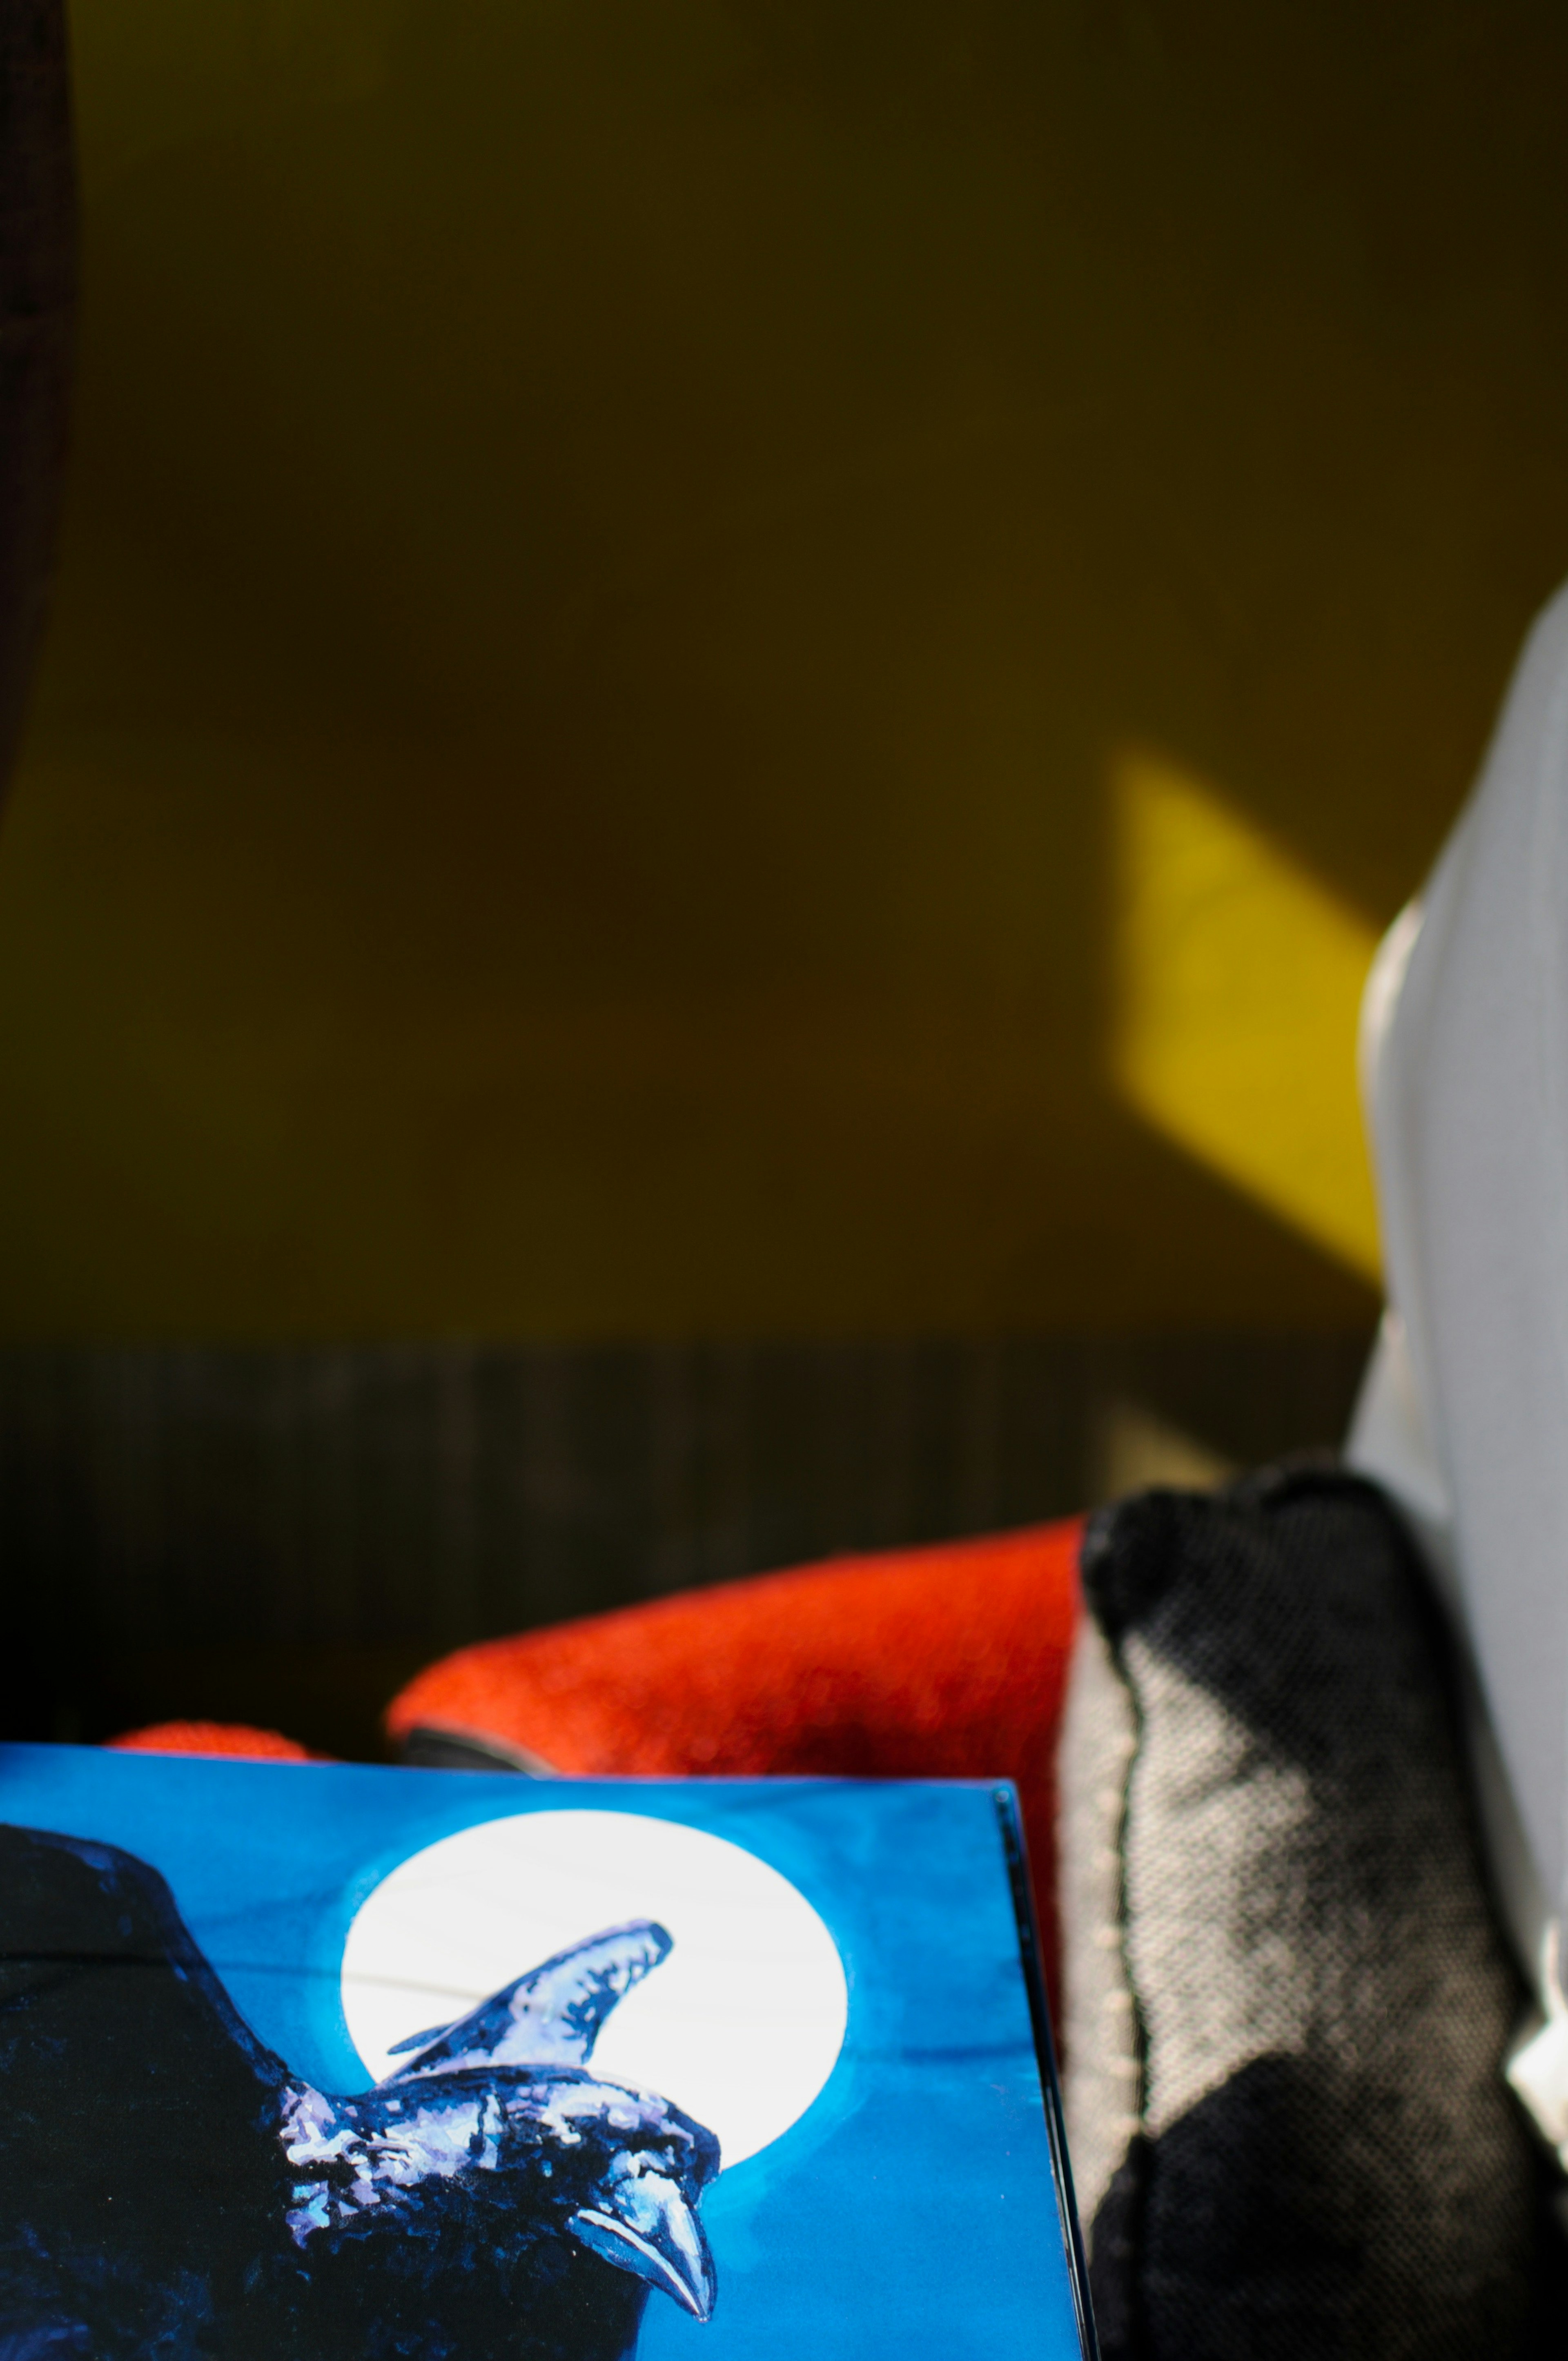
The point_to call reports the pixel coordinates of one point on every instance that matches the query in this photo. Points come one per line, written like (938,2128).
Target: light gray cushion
(1286,2001)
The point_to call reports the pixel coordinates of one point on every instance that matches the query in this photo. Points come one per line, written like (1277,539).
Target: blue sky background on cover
(911,2208)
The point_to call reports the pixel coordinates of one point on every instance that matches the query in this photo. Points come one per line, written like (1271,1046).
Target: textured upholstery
(941,1662)
(238,1740)
(1288,1999)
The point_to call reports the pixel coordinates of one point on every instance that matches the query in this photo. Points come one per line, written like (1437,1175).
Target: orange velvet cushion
(941,1662)
(233,1738)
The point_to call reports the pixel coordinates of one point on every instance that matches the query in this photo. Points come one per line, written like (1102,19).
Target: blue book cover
(300,2063)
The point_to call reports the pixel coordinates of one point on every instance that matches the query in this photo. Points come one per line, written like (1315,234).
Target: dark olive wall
(613,547)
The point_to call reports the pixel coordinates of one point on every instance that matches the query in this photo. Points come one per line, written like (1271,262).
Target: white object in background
(1464,1414)
(1538,2064)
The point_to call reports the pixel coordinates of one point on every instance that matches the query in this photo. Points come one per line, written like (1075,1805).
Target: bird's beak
(652,2233)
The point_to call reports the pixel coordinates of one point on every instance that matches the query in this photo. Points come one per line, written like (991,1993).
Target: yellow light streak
(1237,977)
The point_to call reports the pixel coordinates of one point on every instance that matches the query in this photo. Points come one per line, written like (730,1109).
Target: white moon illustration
(741,2025)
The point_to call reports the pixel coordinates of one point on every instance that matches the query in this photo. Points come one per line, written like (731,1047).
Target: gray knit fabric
(1286,1998)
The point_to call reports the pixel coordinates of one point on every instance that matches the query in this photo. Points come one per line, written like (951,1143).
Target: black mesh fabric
(1287,2001)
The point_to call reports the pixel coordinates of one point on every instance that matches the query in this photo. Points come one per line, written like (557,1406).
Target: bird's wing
(135,2104)
(553,2015)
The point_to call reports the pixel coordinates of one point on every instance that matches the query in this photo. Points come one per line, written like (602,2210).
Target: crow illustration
(171,2191)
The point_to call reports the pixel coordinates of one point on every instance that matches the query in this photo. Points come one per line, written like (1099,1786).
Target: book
(300,2062)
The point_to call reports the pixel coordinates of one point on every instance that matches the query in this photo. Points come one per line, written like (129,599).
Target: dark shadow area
(1291,2212)
(285,1535)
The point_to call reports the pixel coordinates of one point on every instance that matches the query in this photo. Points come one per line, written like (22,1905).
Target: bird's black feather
(170,2192)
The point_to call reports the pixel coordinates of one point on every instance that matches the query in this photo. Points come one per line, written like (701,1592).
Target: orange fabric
(233,1738)
(941,1662)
